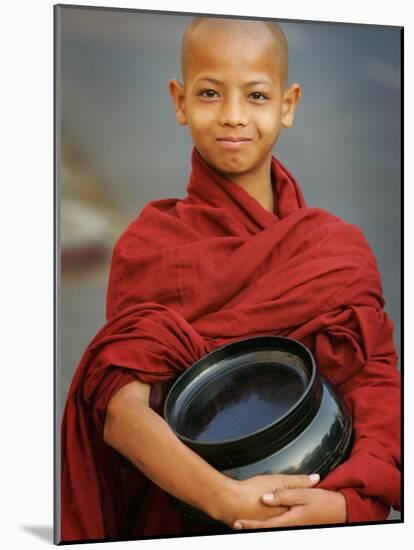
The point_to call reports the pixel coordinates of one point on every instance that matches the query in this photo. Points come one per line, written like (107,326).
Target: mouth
(233,142)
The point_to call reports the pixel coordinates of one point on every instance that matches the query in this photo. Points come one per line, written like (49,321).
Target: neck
(258,185)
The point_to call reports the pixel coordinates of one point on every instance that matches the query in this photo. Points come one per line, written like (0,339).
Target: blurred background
(121,146)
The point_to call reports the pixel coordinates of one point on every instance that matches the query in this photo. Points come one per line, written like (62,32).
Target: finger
(284,481)
(287,519)
(298,481)
(291,482)
(286,497)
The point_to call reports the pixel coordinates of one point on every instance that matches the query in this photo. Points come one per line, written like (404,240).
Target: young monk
(241,255)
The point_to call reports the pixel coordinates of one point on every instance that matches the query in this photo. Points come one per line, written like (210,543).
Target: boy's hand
(303,507)
(245,497)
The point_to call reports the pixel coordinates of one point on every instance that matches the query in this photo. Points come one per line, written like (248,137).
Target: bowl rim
(279,422)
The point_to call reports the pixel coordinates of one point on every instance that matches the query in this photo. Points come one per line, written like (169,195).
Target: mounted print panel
(228,223)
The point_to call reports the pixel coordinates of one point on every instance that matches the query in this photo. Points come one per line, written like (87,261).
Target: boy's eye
(258,96)
(209,93)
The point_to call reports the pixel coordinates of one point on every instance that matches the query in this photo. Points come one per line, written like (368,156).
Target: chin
(227,166)
(235,166)
(230,173)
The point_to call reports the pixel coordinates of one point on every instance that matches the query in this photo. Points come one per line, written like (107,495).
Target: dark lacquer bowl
(258,406)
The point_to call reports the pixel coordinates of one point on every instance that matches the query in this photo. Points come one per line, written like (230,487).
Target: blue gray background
(344,149)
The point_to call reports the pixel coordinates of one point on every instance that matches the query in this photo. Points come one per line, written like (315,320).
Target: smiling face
(234,99)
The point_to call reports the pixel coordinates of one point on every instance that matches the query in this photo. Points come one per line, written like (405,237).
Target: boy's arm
(146,440)
(369,480)
(369,383)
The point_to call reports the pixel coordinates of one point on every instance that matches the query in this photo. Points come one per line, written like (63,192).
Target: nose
(233,113)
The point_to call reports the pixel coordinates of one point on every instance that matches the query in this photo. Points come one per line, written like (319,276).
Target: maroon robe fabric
(193,274)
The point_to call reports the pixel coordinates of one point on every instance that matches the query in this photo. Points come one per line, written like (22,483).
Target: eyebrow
(252,83)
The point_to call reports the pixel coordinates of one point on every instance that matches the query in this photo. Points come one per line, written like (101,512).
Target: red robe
(189,275)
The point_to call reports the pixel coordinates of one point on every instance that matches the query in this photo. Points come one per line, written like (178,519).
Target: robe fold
(192,274)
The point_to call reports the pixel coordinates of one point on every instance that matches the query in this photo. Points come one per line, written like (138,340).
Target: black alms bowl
(258,406)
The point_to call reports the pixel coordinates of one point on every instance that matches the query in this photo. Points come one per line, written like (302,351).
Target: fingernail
(267,497)
(314,478)
(238,525)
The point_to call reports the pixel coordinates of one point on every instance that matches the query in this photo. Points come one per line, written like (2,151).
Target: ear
(291,98)
(177,95)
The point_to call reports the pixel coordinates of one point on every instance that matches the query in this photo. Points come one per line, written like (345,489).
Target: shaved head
(205,28)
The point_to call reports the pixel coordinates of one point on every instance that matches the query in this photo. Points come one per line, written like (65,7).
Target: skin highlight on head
(234,97)
(199,26)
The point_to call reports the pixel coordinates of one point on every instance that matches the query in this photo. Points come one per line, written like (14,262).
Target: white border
(27,279)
